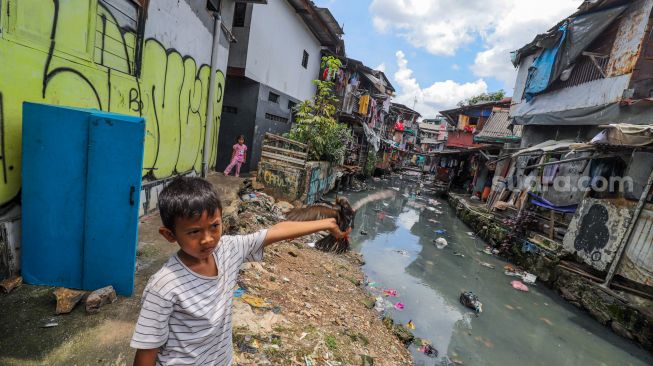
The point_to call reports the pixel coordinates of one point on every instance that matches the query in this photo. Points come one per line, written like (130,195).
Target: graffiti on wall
(596,230)
(81,54)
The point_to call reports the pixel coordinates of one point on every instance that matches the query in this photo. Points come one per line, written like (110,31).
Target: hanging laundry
(549,173)
(363,104)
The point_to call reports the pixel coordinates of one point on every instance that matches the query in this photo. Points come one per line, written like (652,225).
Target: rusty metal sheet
(596,229)
(637,264)
(627,46)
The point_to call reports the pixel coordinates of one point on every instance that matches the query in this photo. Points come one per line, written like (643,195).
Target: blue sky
(450,50)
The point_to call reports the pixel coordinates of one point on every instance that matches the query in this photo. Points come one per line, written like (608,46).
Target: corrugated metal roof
(496,128)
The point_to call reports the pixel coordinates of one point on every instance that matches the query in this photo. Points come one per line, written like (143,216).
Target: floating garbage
(402,252)
(440,243)
(470,300)
(390,292)
(434,221)
(487,250)
(529,278)
(386,204)
(399,306)
(363,232)
(428,350)
(459,254)
(440,231)
(486,264)
(410,325)
(518,285)
(470,233)
(395,188)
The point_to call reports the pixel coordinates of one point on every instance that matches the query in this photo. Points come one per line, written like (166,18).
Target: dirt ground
(309,306)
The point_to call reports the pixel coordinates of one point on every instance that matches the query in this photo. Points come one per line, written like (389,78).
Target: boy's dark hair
(187,197)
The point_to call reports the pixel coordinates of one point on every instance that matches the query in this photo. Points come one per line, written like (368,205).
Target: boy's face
(197,236)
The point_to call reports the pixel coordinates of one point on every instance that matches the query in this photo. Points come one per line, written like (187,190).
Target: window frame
(273,97)
(305,57)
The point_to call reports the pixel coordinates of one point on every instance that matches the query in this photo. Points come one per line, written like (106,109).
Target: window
(291,108)
(239,14)
(291,105)
(276,118)
(117,37)
(273,97)
(305,59)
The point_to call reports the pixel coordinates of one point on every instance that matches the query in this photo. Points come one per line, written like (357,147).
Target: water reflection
(515,328)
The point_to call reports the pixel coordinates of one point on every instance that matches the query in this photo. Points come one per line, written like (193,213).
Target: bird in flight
(342,211)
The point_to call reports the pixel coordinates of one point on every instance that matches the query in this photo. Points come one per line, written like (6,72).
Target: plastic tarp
(372,137)
(539,74)
(624,134)
(539,201)
(546,146)
(582,31)
(575,36)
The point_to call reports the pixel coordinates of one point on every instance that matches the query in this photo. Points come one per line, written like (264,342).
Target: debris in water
(440,243)
(518,285)
(547,321)
(395,188)
(440,231)
(363,232)
(486,264)
(434,221)
(509,307)
(400,306)
(390,292)
(457,254)
(428,350)
(470,233)
(410,325)
(470,300)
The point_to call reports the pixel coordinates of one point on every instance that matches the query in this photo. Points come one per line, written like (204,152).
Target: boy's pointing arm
(293,229)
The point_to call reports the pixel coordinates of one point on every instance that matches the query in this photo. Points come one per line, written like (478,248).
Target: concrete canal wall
(632,318)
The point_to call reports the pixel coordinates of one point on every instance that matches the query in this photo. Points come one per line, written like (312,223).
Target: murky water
(515,328)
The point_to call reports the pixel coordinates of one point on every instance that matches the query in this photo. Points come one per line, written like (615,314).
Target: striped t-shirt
(188,315)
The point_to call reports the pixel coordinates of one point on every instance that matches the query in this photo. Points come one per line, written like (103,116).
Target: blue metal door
(115,163)
(53,194)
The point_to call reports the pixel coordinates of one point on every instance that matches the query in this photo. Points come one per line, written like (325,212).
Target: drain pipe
(217,33)
(628,233)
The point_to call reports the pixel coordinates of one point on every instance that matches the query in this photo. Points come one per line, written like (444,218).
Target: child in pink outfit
(238,156)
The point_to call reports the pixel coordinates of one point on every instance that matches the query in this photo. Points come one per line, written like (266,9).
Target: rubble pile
(302,306)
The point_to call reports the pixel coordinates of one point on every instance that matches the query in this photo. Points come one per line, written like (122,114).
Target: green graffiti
(75,53)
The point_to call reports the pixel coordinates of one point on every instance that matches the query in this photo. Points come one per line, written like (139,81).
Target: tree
(483,98)
(315,123)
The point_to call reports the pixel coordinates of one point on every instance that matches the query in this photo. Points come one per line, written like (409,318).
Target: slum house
(462,164)
(398,139)
(591,70)
(271,70)
(431,138)
(364,98)
(151,59)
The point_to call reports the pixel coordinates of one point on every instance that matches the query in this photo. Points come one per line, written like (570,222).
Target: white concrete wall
(278,36)
(175,24)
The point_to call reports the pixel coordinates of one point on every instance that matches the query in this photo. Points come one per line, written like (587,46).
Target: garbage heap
(301,306)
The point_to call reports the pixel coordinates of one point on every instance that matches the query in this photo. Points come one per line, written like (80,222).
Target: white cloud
(455,67)
(380,67)
(438,96)
(442,27)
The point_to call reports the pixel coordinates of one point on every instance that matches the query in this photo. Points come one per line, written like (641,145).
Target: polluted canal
(396,238)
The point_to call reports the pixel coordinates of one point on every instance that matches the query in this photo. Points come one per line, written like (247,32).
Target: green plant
(330,341)
(483,97)
(371,162)
(316,125)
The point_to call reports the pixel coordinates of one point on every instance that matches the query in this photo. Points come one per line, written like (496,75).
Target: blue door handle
(132,189)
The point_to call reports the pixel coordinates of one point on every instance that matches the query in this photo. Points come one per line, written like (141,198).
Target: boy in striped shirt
(185,317)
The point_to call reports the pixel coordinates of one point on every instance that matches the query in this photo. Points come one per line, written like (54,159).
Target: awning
(496,129)
(546,146)
(623,134)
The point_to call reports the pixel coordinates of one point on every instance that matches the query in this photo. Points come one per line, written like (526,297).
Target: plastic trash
(518,285)
(440,231)
(428,350)
(363,232)
(440,243)
(255,301)
(239,292)
(457,254)
(486,264)
(410,325)
(399,306)
(529,278)
(390,292)
(470,300)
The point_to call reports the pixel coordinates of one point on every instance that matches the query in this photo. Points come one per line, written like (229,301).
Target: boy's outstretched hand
(293,229)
